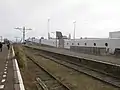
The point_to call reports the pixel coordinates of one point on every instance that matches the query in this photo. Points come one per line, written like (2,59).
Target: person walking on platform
(8,45)
(1,46)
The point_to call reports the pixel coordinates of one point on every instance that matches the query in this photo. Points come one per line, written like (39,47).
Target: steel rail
(97,75)
(40,82)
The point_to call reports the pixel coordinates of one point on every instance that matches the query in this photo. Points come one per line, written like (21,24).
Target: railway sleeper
(53,86)
(57,88)
(46,79)
(51,82)
(40,82)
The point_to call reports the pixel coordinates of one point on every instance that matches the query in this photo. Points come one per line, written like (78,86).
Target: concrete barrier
(18,82)
(89,50)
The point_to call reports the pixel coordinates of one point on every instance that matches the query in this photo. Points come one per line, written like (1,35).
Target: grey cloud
(92,16)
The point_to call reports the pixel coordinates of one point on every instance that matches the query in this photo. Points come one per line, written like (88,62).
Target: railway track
(45,80)
(104,77)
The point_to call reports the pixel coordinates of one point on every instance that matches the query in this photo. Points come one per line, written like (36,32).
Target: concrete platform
(102,59)
(6,70)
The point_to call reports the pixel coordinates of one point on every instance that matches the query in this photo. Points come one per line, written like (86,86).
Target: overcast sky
(94,18)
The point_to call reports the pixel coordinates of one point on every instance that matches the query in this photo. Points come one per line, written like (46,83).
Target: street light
(23,31)
(48,28)
(74,23)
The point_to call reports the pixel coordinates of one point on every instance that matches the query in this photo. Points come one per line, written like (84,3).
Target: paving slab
(6,70)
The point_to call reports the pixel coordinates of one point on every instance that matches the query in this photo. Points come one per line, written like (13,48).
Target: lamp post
(74,23)
(48,28)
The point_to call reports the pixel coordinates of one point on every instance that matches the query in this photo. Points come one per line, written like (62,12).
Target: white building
(112,42)
(115,34)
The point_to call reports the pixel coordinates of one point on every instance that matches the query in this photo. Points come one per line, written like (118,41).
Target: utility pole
(16,39)
(23,31)
(74,23)
(23,34)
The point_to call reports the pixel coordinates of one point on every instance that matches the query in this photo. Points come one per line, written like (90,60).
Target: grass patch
(20,56)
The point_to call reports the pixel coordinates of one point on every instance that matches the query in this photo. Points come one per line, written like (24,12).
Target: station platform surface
(112,60)
(6,70)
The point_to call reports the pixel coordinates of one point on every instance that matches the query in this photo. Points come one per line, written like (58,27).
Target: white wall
(112,43)
(67,44)
(51,42)
(89,42)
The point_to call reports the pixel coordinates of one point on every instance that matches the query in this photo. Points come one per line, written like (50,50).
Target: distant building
(115,34)
(64,37)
